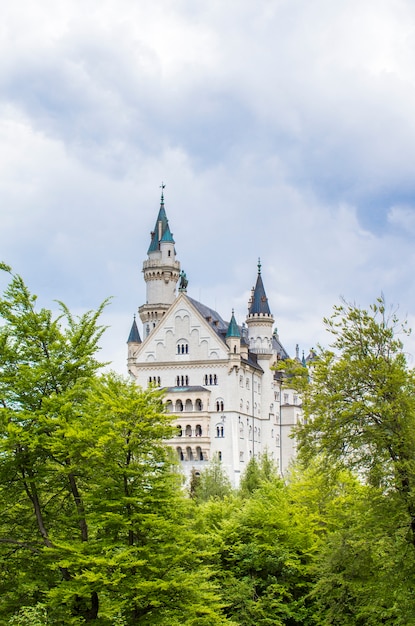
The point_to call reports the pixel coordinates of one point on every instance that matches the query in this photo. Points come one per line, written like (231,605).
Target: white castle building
(219,380)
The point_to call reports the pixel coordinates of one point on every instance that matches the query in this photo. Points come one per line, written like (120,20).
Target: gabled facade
(218,377)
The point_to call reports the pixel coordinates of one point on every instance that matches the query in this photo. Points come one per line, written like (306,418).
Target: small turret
(133,341)
(233,337)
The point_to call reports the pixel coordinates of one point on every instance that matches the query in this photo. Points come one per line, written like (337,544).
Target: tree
(258,471)
(46,366)
(264,554)
(212,482)
(93,526)
(359,405)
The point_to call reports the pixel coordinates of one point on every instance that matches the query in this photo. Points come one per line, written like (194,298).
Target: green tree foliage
(94,525)
(360,415)
(212,482)
(258,471)
(262,557)
(360,405)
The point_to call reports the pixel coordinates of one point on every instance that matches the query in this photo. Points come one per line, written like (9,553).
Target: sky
(283,129)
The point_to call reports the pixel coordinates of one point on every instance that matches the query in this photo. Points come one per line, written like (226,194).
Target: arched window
(188,431)
(179,430)
(189,453)
(215,379)
(199,453)
(198,430)
(206,379)
(189,406)
(179,406)
(178,381)
(180,454)
(199,405)
(220,455)
(169,406)
(182,347)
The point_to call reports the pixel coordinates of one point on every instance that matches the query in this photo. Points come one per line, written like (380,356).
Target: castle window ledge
(180,440)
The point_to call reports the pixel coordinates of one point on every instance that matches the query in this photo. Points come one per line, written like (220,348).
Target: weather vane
(162,191)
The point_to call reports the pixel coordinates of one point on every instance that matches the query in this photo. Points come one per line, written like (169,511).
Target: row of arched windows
(182,348)
(188,431)
(179,406)
(188,455)
(211,379)
(182,381)
(155,380)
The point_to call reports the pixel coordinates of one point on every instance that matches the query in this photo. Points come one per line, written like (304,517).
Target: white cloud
(283,130)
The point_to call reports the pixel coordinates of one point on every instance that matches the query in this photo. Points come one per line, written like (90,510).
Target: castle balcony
(190,439)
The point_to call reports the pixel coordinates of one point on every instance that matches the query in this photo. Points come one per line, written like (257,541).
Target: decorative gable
(183,335)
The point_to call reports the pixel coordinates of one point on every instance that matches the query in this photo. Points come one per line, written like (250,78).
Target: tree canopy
(96,525)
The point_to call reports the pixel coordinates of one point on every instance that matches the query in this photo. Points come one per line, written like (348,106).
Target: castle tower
(161,272)
(259,319)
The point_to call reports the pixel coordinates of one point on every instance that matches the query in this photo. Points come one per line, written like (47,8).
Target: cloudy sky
(283,129)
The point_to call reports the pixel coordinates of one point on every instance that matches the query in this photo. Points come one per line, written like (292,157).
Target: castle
(218,377)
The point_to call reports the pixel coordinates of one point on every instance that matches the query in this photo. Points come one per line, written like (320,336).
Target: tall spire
(259,301)
(161,230)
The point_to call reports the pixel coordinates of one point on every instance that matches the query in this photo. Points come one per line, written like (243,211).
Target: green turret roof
(161,230)
(167,236)
(233,328)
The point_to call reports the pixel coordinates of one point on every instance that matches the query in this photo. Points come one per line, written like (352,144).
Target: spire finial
(259,265)
(162,186)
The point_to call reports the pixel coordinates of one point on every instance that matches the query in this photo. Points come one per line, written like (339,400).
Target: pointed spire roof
(233,328)
(167,236)
(134,336)
(259,302)
(161,229)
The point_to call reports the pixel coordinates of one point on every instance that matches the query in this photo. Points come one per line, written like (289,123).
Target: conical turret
(233,336)
(133,340)
(259,319)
